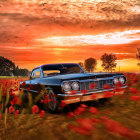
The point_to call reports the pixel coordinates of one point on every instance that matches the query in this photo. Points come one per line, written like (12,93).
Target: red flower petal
(16,112)
(35,109)
(93,96)
(93,110)
(79,110)
(83,105)
(42,113)
(84,91)
(73,92)
(41,101)
(106,86)
(135,98)
(28,89)
(11,109)
(23,84)
(92,86)
(133,90)
(70,114)
(63,103)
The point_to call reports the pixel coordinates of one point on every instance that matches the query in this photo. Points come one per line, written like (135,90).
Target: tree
(7,67)
(108,62)
(90,64)
(138,57)
(21,72)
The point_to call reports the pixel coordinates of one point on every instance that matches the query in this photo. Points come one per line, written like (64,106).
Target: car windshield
(55,69)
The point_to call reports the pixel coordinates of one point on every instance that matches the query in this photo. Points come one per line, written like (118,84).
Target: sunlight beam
(103,39)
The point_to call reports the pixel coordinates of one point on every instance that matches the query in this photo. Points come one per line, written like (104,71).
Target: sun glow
(104,39)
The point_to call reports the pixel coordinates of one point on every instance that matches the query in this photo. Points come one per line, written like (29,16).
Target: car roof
(52,64)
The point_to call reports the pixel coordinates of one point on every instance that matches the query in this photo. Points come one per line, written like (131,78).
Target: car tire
(53,104)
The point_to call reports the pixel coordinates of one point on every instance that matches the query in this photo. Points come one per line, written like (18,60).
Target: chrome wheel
(52,103)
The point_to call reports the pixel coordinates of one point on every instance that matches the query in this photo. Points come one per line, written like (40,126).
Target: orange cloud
(34,33)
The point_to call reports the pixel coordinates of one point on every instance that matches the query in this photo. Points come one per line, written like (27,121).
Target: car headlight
(115,81)
(75,85)
(66,86)
(122,80)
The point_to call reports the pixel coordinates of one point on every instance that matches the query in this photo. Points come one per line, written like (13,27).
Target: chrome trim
(89,92)
(91,80)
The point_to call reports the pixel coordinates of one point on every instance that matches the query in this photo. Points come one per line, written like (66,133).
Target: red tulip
(83,105)
(117,128)
(16,112)
(85,123)
(63,103)
(84,91)
(23,84)
(135,98)
(133,90)
(70,114)
(108,94)
(28,89)
(79,129)
(73,92)
(11,109)
(94,120)
(93,110)
(79,110)
(35,109)
(42,113)
(41,101)
(92,86)
(106,86)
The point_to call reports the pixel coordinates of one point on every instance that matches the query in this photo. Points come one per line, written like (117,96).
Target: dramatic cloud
(33,32)
(105,39)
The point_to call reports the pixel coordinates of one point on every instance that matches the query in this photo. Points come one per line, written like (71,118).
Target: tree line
(108,63)
(8,68)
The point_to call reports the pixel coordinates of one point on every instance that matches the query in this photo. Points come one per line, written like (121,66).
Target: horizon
(34,33)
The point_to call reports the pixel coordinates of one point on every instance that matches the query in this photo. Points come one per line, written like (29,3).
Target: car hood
(82,76)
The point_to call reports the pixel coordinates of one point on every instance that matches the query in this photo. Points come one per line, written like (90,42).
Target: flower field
(117,118)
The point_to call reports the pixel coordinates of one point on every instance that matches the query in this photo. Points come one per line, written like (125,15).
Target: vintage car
(70,83)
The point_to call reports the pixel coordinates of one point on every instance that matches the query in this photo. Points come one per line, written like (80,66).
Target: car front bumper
(88,96)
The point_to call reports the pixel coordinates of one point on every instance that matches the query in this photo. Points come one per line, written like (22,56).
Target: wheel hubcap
(52,101)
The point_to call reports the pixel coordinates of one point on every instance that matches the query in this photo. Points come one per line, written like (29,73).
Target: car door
(35,86)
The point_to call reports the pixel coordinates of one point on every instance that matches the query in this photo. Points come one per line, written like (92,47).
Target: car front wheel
(52,104)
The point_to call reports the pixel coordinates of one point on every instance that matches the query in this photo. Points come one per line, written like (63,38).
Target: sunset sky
(36,32)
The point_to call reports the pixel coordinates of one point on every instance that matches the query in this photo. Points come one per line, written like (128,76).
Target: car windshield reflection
(57,69)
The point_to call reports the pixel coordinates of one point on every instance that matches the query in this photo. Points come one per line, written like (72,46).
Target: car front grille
(85,84)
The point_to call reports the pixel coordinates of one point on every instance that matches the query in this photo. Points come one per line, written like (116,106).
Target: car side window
(35,74)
